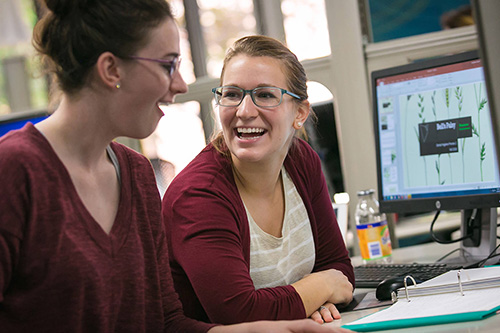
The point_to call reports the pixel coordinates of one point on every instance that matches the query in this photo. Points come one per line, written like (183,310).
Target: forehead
(163,39)
(249,72)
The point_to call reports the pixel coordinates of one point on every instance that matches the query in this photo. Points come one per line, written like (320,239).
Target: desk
(425,253)
(420,225)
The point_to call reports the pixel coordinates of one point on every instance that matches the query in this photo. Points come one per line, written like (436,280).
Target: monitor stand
(483,242)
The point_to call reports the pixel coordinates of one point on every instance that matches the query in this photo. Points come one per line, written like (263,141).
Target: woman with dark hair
(251,228)
(82,245)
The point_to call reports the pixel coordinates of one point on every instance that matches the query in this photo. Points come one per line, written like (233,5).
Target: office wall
(351,62)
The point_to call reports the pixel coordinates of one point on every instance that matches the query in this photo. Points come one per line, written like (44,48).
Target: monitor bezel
(13,117)
(416,205)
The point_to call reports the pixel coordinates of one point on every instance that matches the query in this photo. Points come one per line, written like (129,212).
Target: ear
(302,113)
(108,69)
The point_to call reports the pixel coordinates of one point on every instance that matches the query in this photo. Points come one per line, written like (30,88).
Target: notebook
(455,296)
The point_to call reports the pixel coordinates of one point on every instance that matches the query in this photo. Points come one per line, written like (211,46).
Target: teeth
(250,130)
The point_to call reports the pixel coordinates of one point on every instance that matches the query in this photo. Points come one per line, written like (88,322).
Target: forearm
(313,291)
(292,326)
(326,286)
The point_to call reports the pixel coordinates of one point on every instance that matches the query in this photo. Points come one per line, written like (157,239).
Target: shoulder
(123,152)
(132,162)
(207,180)
(208,169)
(302,157)
(137,168)
(24,148)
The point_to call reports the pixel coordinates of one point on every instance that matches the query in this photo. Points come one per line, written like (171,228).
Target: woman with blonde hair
(252,232)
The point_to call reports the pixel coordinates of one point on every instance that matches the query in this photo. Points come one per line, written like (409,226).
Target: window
(178,138)
(223,22)
(21,87)
(404,18)
(306,28)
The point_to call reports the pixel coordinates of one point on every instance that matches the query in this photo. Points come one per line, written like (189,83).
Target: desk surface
(425,253)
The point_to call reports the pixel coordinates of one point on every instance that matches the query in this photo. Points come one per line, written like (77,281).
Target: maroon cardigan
(209,240)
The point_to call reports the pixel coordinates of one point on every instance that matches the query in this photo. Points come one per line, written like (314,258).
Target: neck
(257,178)
(76,133)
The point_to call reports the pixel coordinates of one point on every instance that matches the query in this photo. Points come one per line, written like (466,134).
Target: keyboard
(370,275)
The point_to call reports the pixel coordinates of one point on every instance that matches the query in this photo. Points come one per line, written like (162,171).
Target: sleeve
(13,210)
(9,250)
(175,320)
(331,251)
(173,314)
(207,243)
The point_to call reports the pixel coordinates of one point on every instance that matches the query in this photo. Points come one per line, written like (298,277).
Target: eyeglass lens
(171,66)
(262,96)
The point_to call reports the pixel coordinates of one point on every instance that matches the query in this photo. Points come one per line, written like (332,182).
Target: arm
(9,248)
(328,286)
(331,249)
(293,326)
(13,210)
(175,320)
(333,270)
(211,244)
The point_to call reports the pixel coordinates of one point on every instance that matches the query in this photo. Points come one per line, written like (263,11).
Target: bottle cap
(365,192)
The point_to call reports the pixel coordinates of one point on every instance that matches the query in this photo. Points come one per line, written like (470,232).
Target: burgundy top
(59,271)
(209,240)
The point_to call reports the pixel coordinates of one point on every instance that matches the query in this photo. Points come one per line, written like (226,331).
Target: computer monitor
(435,146)
(17,120)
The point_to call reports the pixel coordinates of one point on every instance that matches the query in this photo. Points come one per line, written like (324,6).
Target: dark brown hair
(264,46)
(72,34)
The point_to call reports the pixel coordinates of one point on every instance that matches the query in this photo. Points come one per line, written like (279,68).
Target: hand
(342,291)
(326,313)
(328,286)
(281,326)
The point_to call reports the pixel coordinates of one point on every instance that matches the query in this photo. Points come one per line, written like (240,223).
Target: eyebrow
(171,54)
(257,86)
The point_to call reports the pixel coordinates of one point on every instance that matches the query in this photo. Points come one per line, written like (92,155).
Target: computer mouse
(386,287)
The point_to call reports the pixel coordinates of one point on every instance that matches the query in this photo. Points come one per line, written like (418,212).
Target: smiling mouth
(249,132)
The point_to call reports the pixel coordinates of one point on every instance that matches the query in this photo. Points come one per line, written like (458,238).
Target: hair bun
(62,8)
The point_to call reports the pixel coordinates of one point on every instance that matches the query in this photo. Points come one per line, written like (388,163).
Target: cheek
(226,116)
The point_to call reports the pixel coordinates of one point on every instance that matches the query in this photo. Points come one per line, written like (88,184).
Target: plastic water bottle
(373,231)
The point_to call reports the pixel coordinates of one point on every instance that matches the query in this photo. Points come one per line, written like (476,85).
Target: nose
(247,108)
(177,84)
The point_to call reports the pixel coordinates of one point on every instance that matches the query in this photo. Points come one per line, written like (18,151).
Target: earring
(118,86)
(299,123)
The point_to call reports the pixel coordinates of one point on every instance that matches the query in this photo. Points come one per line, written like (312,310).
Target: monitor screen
(17,120)
(434,137)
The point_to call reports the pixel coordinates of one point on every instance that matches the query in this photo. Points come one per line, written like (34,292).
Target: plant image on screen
(447,122)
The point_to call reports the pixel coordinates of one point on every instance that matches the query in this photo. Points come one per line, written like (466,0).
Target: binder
(456,296)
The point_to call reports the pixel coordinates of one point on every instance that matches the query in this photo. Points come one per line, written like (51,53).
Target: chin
(248,156)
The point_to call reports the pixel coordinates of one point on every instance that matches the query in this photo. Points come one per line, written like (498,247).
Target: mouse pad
(366,301)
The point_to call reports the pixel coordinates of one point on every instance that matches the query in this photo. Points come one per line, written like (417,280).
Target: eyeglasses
(171,66)
(264,97)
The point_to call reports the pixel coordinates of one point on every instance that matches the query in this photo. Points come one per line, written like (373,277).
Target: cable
(481,262)
(448,254)
(445,241)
